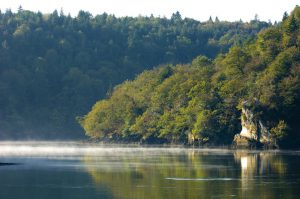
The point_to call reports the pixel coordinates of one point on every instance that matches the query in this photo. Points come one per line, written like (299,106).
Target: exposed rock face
(254,131)
(249,126)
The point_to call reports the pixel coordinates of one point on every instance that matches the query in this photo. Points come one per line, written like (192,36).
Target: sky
(229,10)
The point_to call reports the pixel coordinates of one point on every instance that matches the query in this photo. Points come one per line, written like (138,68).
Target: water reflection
(191,174)
(260,164)
(162,175)
(261,171)
(90,171)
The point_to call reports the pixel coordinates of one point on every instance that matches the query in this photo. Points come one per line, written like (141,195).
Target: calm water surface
(70,170)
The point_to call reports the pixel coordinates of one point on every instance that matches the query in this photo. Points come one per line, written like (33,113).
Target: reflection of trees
(144,175)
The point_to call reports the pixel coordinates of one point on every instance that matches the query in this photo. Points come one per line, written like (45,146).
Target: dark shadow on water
(9,164)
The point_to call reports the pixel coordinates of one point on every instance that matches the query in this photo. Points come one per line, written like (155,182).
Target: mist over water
(84,170)
(44,148)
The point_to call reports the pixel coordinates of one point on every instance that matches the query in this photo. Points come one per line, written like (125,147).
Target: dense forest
(54,67)
(203,99)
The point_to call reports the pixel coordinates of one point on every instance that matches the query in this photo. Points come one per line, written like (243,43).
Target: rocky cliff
(254,131)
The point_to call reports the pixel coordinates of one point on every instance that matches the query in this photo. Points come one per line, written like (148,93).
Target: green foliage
(203,99)
(280,130)
(53,67)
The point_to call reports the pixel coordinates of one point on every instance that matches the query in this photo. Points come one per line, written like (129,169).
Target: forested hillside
(203,99)
(54,67)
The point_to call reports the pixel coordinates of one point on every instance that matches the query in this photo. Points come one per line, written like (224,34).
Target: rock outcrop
(254,131)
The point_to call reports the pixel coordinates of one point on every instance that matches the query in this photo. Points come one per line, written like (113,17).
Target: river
(62,170)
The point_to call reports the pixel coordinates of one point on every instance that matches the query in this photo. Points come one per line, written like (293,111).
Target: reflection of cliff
(256,168)
(148,176)
(261,163)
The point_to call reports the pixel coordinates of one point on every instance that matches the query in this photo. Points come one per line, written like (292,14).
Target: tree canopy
(53,67)
(202,100)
